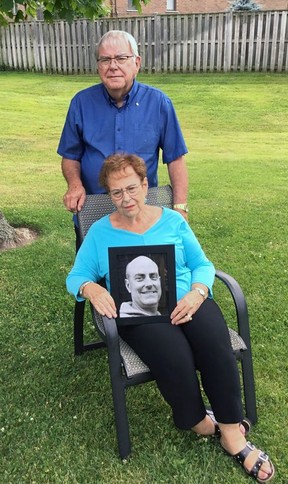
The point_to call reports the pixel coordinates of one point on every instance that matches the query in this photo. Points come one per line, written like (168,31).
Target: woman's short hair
(116,35)
(119,161)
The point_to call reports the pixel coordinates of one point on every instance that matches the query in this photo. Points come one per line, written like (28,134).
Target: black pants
(174,353)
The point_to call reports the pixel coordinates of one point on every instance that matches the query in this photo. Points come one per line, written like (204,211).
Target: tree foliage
(56,9)
(244,5)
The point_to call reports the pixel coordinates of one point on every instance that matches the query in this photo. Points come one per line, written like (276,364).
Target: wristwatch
(201,291)
(181,206)
(82,287)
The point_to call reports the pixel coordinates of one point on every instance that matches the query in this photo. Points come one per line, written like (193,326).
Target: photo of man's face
(143,283)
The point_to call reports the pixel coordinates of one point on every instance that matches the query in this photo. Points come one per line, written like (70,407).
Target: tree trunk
(8,235)
(11,237)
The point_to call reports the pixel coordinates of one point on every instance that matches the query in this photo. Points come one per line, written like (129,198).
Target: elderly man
(120,115)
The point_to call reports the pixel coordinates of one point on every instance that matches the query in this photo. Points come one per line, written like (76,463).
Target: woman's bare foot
(209,426)
(233,442)
(205,427)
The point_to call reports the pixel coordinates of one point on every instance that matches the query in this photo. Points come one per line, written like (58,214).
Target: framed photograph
(143,283)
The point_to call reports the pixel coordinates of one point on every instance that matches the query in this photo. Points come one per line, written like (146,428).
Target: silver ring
(189,316)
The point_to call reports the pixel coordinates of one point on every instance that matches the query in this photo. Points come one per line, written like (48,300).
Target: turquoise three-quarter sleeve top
(192,265)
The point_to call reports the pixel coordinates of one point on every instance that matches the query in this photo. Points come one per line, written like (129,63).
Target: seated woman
(196,339)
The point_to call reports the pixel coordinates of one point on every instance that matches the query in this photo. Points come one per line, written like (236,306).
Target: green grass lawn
(56,410)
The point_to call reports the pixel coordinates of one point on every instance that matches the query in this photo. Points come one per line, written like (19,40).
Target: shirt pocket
(145,138)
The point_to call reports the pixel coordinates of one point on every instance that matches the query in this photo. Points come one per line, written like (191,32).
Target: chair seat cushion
(133,365)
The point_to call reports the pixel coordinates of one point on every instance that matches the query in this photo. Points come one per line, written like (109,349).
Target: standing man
(120,115)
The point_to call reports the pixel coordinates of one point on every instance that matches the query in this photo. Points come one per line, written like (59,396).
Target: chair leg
(118,389)
(249,386)
(121,417)
(79,327)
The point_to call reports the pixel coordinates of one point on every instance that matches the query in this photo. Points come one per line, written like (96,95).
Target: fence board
(178,44)
(53,62)
(286,45)
(167,43)
(18,46)
(236,44)
(205,43)
(250,45)
(220,43)
(30,56)
(3,48)
(185,44)
(149,45)
(243,43)
(74,49)
(10,44)
(141,45)
(79,46)
(171,43)
(86,47)
(93,43)
(13,47)
(35,46)
(157,44)
(274,42)
(198,43)
(213,43)
(258,43)
(9,33)
(69,68)
(42,48)
(283,30)
(227,43)
(266,42)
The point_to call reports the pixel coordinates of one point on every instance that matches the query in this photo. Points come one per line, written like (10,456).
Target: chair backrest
(96,206)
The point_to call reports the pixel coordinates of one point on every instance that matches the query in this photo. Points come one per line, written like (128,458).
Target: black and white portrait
(143,286)
(143,282)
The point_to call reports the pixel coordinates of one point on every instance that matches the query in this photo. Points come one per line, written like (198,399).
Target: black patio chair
(126,368)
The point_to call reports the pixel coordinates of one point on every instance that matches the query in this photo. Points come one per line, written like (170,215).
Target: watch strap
(82,287)
(201,291)
(181,206)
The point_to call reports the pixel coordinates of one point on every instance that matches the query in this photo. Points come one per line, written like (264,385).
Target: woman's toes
(265,470)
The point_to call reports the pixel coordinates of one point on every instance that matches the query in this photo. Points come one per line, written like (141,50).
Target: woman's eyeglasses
(119,194)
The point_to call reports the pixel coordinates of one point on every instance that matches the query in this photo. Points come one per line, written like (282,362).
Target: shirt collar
(131,94)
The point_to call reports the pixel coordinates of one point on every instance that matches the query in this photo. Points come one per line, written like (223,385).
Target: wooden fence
(167,43)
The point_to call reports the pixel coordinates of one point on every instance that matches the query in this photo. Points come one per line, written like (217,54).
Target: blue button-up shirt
(96,128)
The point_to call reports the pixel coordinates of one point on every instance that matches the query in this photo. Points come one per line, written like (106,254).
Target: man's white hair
(116,35)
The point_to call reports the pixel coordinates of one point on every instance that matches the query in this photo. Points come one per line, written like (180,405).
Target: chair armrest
(111,331)
(240,305)
(113,345)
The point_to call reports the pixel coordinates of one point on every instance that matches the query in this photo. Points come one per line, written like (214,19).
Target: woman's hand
(186,307)
(101,299)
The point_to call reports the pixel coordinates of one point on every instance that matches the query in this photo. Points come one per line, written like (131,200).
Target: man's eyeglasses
(119,194)
(119,59)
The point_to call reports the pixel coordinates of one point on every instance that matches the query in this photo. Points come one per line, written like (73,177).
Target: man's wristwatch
(201,291)
(82,287)
(181,206)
